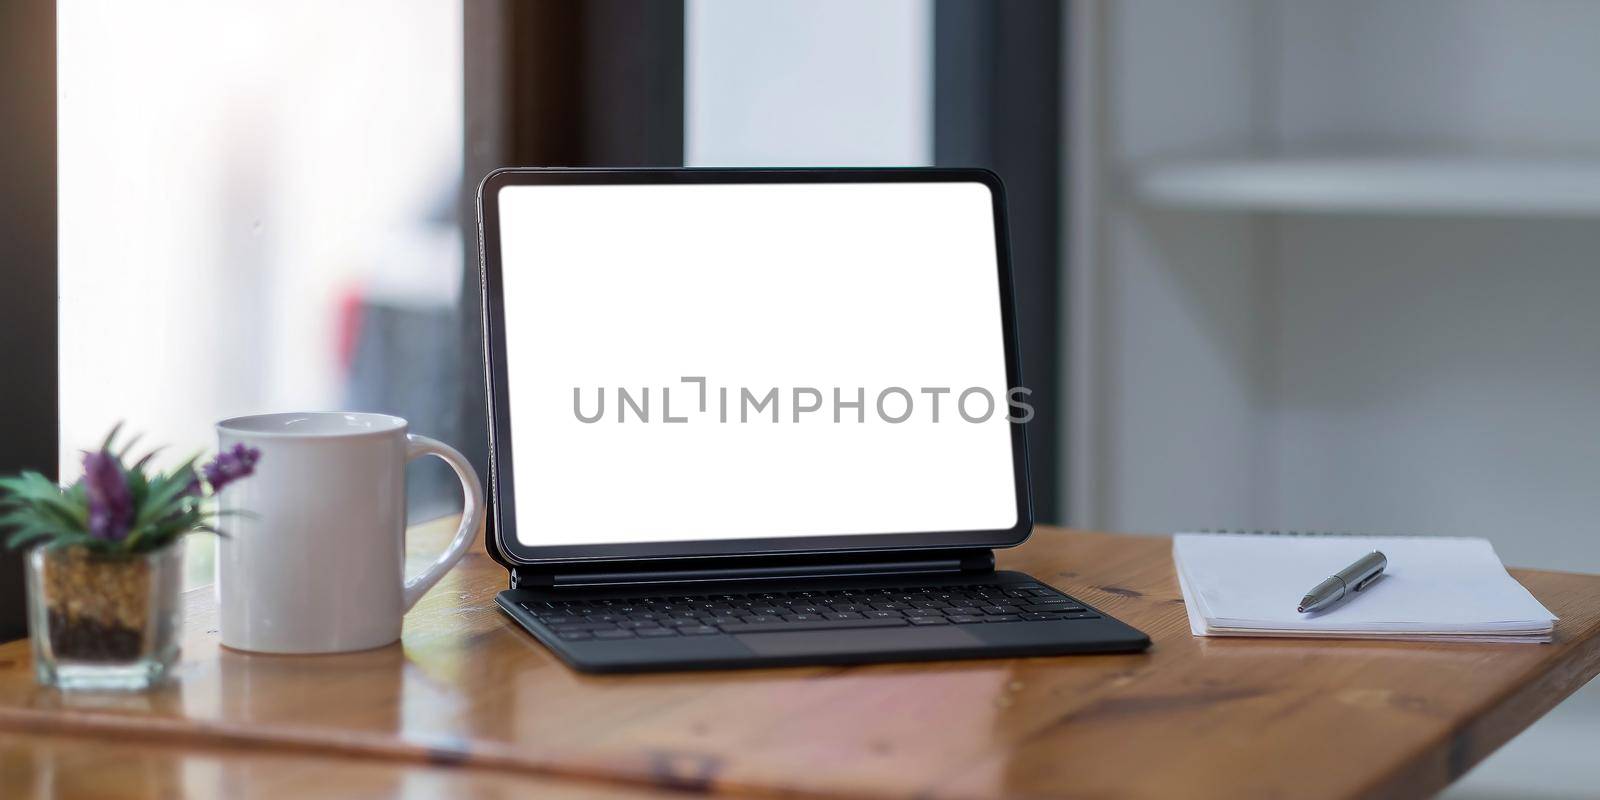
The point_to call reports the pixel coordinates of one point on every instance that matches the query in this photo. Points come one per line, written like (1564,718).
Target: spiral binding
(1242,532)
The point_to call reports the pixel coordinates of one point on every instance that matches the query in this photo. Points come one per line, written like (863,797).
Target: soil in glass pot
(104,621)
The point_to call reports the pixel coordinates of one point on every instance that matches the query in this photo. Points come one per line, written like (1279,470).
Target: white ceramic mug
(314,557)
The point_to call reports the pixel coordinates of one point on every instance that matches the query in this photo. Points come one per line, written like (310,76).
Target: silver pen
(1344,583)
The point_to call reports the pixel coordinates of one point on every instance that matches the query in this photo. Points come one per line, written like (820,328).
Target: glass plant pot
(104,622)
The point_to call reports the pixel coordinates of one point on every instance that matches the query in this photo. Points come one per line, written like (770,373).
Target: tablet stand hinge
(755,568)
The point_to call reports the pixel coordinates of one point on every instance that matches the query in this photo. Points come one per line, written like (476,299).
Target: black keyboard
(776,612)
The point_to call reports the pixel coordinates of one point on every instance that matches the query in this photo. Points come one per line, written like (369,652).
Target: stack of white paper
(1434,589)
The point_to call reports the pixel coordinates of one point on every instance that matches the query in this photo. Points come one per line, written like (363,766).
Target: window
(259,212)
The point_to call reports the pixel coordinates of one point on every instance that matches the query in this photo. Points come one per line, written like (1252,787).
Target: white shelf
(1568,187)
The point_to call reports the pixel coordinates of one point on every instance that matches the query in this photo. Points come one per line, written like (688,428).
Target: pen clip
(1365,582)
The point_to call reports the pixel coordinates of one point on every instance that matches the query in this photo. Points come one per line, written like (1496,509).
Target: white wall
(808,83)
(1442,376)
(1169,317)
(1439,375)
(1507,75)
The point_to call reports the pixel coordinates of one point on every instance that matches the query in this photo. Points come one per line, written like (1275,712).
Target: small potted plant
(105,561)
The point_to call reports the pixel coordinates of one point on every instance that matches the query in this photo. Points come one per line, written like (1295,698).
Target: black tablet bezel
(501,487)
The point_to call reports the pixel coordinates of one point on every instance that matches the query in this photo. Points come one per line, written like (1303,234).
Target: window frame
(29,337)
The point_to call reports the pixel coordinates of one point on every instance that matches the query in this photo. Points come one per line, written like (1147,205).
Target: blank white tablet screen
(773,297)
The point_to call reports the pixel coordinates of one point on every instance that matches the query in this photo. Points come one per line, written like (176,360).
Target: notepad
(1434,589)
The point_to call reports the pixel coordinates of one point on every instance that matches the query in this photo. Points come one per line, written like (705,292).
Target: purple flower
(231,465)
(110,502)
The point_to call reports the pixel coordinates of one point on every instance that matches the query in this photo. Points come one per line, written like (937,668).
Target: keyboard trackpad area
(858,640)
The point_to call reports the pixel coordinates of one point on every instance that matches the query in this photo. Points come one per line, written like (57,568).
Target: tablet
(698,362)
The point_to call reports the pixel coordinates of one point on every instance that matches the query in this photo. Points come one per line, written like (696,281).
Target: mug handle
(471,514)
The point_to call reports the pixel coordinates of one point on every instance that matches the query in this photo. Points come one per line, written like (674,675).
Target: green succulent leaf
(27,534)
(144,461)
(111,437)
(164,492)
(33,497)
(71,517)
(35,510)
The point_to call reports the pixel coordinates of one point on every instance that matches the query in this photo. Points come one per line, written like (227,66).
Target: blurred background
(1281,263)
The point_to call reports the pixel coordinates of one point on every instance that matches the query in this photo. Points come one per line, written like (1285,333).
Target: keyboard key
(817,625)
(754,612)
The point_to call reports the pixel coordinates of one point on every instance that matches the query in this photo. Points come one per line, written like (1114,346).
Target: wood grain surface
(64,767)
(1193,717)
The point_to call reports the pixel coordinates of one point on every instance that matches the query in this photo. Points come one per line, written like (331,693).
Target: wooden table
(471,705)
(34,767)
